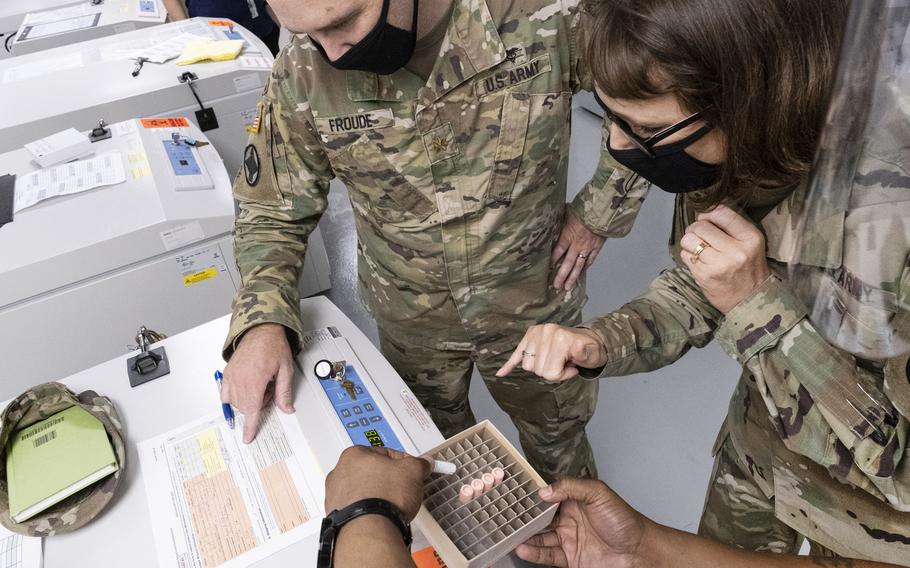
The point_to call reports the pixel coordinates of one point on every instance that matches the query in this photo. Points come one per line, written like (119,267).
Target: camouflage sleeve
(579,27)
(657,328)
(823,404)
(282,191)
(609,203)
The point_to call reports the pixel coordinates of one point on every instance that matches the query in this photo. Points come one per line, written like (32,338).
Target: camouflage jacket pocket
(854,315)
(533,140)
(378,190)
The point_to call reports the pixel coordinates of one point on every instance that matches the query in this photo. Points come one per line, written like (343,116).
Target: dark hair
(759,70)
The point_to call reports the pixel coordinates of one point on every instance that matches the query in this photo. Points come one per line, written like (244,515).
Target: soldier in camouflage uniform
(815,441)
(458,185)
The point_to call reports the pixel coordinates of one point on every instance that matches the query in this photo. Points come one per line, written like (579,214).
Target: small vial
(498,475)
(444,467)
(477,485)
(488,481)
(466,494)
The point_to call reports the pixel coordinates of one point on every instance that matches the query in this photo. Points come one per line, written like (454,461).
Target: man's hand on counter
(260,369)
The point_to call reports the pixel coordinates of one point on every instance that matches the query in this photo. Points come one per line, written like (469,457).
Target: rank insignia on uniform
(440,145)
(251,165)
(515,54)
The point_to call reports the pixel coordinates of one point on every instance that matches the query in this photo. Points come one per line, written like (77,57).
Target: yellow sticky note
(210,50)
(210,452)
(200,276)
(141,171)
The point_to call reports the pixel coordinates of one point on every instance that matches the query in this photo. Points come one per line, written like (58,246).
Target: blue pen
(225,407)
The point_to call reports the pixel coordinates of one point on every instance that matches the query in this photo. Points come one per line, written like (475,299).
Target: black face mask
(671,168)
(384,50)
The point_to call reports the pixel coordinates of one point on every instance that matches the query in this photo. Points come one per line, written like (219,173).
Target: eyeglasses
(647,144)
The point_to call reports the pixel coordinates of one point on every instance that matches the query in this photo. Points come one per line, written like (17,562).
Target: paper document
(17,551)
(74,177)
(64,13)
(34,31)
(215,501)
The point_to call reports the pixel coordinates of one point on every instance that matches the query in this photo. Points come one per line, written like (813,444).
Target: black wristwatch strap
(333,522)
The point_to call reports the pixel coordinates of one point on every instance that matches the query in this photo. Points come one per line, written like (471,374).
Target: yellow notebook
(53,459)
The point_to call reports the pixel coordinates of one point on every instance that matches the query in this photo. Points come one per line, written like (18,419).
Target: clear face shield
(852,243)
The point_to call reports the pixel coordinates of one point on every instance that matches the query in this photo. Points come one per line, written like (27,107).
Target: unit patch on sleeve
(251,167)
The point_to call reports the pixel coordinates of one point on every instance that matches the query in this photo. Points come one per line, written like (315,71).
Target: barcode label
(41,440)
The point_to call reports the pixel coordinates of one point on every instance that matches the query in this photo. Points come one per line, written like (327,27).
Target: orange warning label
(427,558)
(224,23)
(178,122)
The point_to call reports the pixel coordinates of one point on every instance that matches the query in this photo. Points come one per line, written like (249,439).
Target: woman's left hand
(726,254)
(554,353)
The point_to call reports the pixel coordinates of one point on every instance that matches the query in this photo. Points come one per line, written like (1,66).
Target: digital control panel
(359,415)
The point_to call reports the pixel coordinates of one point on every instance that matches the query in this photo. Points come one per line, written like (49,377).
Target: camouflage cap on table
(75,511)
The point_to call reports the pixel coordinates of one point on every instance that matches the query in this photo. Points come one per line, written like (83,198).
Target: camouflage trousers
(737,512)
(550,417)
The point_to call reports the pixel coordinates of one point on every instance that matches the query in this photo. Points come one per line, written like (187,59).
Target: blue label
(182,160)
(361,417)
(234,34)
(147,6)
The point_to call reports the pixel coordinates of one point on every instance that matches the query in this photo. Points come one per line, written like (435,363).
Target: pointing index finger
(513,361)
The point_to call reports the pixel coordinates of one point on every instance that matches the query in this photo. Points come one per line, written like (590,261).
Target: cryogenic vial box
(483,530)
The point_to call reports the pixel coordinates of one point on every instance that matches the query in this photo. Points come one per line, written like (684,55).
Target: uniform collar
(821,243)
(471,46)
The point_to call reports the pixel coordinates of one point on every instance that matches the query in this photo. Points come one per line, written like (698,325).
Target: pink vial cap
(466,493)
(488,481)
(498,474)
(477,485)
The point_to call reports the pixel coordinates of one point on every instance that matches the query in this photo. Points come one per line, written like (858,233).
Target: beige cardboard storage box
(483,530)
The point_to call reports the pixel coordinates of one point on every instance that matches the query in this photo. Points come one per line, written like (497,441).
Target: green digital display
(373,438)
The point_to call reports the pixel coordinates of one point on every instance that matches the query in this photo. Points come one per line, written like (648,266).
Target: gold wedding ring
(698,250)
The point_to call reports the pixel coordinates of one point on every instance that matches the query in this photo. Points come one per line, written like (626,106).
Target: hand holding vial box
(488,507)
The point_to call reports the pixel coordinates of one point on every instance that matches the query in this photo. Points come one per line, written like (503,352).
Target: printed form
(215,501)
(17,551)
(66,179)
